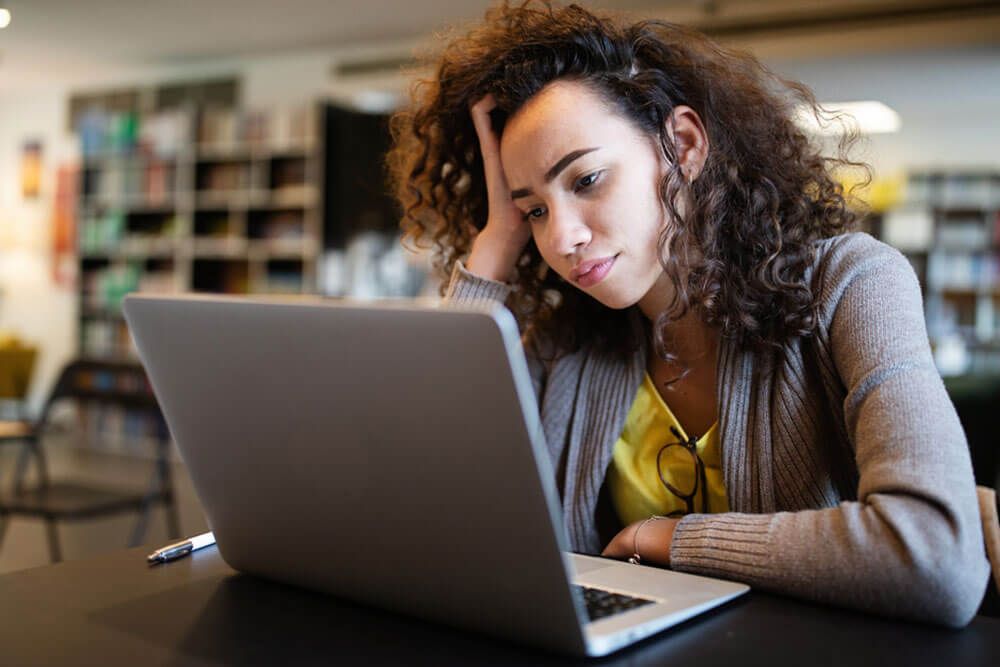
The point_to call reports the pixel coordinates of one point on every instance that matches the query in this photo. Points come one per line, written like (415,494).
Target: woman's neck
(687,383)
(691,340)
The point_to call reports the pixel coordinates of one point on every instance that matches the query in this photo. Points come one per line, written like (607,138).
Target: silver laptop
(391,454)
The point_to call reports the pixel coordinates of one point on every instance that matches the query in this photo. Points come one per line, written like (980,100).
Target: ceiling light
(4,17)
(839,117)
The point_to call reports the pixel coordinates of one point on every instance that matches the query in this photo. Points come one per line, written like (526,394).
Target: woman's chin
(615,301)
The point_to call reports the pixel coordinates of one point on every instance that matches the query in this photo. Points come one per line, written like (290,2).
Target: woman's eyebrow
(564,162)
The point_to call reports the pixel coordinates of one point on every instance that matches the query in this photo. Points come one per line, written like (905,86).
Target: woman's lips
(590,273)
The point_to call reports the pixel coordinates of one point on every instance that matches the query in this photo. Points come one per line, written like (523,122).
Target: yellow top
(635,486)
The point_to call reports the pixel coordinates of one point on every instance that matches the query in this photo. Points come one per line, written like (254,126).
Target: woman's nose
(568,232)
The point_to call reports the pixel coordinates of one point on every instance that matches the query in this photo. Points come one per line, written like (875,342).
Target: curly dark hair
(739,253)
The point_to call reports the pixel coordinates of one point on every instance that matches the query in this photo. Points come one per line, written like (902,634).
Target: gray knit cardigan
(846,468)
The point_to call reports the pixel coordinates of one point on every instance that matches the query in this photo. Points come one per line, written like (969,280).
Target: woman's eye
(586,181)
(534,214)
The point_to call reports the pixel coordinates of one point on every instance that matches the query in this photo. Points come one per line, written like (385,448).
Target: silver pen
(180,549)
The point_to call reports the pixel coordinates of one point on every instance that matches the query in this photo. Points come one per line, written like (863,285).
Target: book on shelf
(967,191)
(136,182)
(959,271)
(293,126)
(966,233)
(162,134)
(255,127)
(223,176)
(158,183)
(101,233)
(165,133)
(223,130)
(217,127)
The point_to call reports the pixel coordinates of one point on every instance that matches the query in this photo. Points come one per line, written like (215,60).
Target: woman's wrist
(653,539)
(492,257)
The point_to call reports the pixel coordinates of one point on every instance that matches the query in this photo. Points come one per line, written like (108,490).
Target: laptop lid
(387,453)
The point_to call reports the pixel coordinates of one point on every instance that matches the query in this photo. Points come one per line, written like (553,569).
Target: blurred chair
(87,383)
(989,511)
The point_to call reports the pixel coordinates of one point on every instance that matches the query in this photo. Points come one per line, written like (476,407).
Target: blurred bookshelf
(182,190)
(947,223)
(217,200)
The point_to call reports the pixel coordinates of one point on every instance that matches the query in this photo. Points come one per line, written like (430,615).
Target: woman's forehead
(564,116)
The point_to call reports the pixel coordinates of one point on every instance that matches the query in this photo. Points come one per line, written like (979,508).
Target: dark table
(115,610)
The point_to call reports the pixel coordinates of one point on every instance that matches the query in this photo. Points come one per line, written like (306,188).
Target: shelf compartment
(218,223)
(277,224)
(288,172)
(151,223)
(159,276)
(227,276)
(222,175)
(283,276)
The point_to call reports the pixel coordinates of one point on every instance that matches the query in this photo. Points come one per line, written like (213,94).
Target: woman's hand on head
(498,246)
(654,540)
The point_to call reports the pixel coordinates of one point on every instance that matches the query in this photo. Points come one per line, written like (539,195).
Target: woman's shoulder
(854,248)
(843,260)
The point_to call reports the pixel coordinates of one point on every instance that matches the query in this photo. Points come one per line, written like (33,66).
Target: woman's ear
(687,131)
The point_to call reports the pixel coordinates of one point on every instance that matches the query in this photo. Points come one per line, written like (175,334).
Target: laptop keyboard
(601,603)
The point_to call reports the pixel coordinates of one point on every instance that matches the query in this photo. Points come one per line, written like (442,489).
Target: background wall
(32,305)
(948,99)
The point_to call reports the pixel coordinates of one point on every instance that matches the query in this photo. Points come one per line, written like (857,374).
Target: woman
(729,383)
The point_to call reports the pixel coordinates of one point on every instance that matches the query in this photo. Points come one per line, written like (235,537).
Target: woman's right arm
(465,286)
(496,248)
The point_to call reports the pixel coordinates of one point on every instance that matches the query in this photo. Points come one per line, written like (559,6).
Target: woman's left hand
(653,541)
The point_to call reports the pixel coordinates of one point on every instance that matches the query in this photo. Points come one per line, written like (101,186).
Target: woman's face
(587,182)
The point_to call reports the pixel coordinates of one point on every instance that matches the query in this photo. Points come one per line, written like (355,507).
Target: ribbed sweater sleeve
(464,286)
(911,545)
